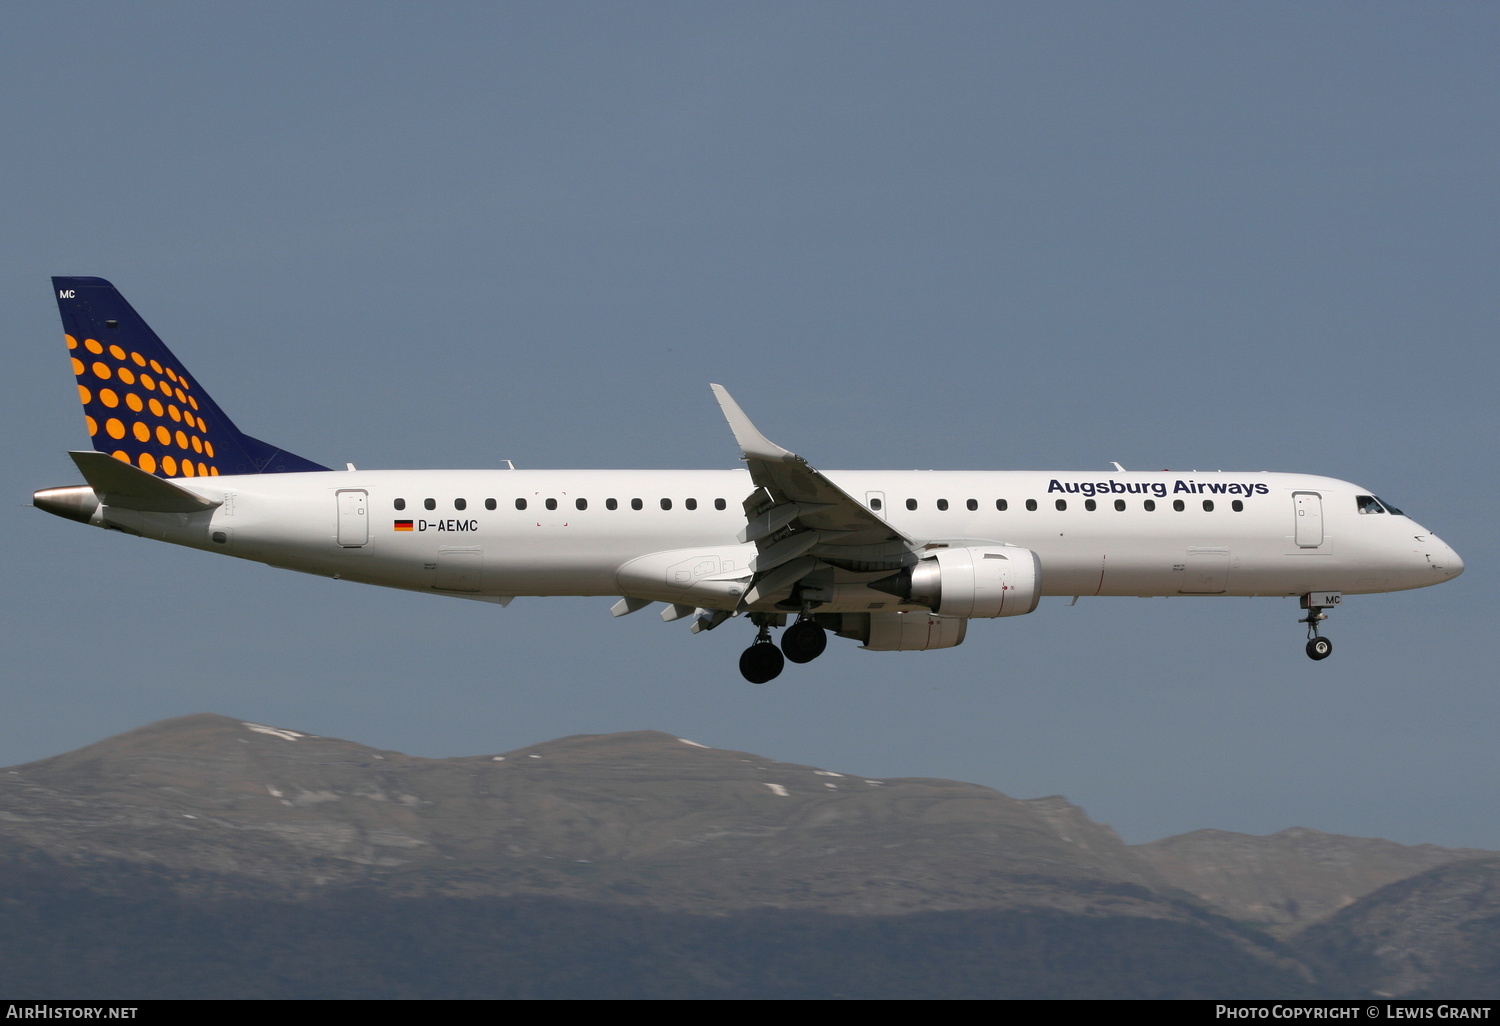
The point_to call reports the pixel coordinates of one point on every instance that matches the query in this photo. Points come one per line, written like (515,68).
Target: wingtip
(752,443)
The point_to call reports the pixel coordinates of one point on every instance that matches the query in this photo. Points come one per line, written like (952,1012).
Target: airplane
(897,560)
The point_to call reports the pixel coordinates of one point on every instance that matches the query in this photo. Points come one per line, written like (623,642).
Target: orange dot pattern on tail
(165,435)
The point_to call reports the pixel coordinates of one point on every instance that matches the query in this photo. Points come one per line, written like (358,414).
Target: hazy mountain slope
(1436,934)
(205,856)
(1290,879)
(641,818)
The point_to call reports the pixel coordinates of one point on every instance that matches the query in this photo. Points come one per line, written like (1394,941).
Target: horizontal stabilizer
(117,483)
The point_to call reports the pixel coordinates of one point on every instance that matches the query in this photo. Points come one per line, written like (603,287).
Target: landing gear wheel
(804,641)
(761,662)
(1319,648)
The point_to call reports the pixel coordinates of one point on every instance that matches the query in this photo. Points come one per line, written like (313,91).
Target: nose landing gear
(1318,647)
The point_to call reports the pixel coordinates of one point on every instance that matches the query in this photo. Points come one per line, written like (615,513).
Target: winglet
(117,483)
(753,444)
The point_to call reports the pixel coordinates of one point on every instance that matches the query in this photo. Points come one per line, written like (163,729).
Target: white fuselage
(467,536)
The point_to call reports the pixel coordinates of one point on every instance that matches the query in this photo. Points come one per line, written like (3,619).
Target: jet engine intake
(981,581)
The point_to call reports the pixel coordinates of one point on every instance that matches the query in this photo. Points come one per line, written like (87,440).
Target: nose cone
(1442,562)
(1453,564)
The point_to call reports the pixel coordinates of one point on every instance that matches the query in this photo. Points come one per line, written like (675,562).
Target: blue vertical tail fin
(138,402)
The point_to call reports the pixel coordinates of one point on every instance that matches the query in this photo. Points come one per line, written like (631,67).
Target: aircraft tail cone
(74,502)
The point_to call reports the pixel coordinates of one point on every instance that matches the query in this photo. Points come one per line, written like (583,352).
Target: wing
(800,521)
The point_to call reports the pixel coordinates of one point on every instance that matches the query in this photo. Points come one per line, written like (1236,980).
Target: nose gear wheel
(1318,647)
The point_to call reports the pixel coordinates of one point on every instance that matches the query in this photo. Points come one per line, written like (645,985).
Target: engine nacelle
(984,581)
(914,631)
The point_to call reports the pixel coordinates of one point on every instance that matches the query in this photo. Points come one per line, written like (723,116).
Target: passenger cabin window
(1208,505)
(875,504)
(581,503)
(1149,505)
(1237,506)
(911,503)
(1120,505)
(1031,504)
(551,503)
(1002,505)
(666,504)
(520,504)
(1090,505)
(611,503)
(637,504)
(972,505)
(942,504)
(1179,505)
(460,504)
(1061,504)
(429,504)
(400,503)
(690,503)
(719,504)
(490,504)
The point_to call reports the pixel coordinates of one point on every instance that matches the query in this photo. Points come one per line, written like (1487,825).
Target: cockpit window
(1370,504)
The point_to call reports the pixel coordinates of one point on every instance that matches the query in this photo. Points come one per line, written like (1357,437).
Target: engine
(982,581)
(914,631)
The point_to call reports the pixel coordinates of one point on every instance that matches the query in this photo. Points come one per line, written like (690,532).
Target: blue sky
(997,236)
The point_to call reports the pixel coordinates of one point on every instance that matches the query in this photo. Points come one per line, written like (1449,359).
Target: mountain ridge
(628,830)
(210,793)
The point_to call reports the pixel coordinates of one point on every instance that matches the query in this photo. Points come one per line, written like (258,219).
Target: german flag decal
(403,525)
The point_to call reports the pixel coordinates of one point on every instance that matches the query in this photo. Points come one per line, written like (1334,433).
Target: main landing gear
(762,661)
(802,642)
(1318,647)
